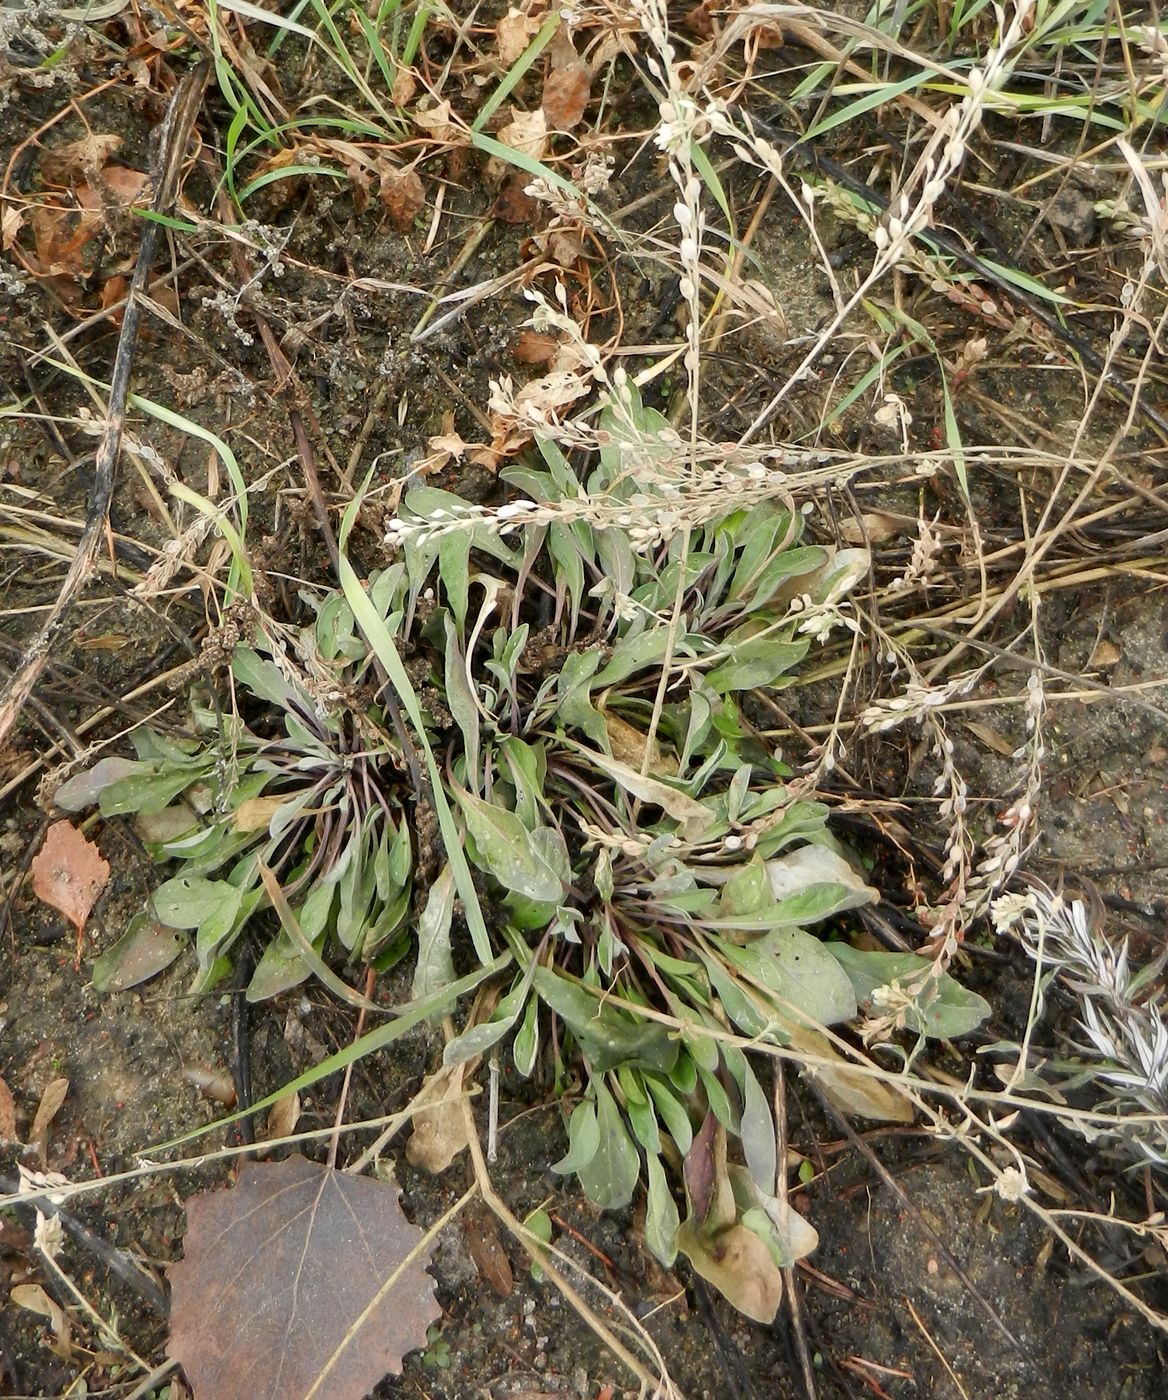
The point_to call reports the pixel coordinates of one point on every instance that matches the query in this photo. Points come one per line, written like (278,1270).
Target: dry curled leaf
(295,1283)
(565,95)
(50,1105)
(532,348)
(68,873)
(526,132)
(7,1114)
(78,159)
(486,1249)
(514,32)
(403,195)
(437,121)
(440,1131)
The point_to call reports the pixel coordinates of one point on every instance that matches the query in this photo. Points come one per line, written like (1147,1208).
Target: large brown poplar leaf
(294,1286)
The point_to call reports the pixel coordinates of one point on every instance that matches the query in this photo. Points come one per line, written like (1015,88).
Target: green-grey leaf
(480,1038)
(526,1045)
(950,1011)
(145,949)
(755,663)
(145,792)
(435,963)
(800,972)
(83,789)
(188,900)
(606,1036)
(611,1177)
(506,851)
(583,1139)
(671,1112)
(661,1217)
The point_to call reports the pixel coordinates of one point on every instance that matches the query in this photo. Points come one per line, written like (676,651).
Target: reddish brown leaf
(68,873)
(404,197)
(513,204)
(532,348)
(288,1289)
(565,95)
(486,1249)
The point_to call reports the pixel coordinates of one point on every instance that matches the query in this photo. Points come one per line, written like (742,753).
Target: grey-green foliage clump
(650,872)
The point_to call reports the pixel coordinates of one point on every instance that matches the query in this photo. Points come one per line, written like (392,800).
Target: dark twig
(171,149)
(116,1260)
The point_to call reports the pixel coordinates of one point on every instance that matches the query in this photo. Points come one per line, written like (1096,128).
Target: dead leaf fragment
(437,121)
(282,1118)
(526,132)
(7,1114)
(11,222)
(565,95)
(404,197)
(440,1132)
(532,348)
(78,159)
(48,1108)
(1106,654)
(290,1286)
(991,738)
(68,873)
(256,813)
(405,84)
(739,1265)
(486,1249)
(514,32)
(33,1298)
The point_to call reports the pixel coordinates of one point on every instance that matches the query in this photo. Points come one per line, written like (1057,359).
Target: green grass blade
(515,73)
(407,1017)
(377,635)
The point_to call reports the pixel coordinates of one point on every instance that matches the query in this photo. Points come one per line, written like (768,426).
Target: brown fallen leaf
(403,195)
(513,204)
(282,1118)
(565,95)
(991,738)
(514,32)
(77,160)
(526,132)
(532,348)
(68,873)
(486,1249)
(48,1108)
(295,1283)
(1106,654)
(7,1114)
(440,1131)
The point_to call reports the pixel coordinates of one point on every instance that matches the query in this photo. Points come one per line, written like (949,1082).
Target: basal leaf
(435,966)
(506,851)
(945,1008)
(756,663)
(189,900)
(610,1177)
(661,1217)
(583,1139)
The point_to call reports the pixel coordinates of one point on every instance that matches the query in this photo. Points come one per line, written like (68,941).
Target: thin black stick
(116,1260)
(172,146)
